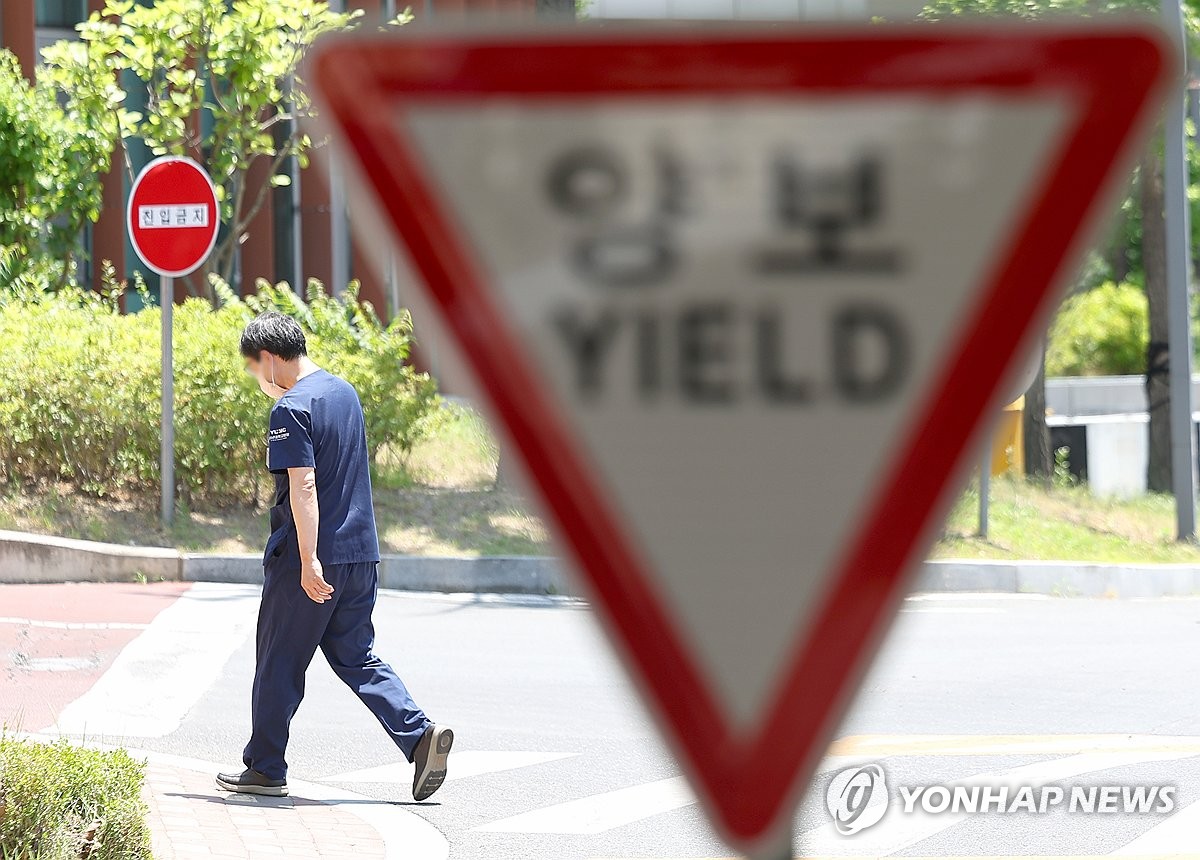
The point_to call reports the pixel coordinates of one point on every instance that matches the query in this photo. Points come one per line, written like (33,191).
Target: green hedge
(79,389)
(58,799)
(1102,331)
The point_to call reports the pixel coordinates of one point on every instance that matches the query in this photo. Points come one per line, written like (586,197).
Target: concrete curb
(35,558)
(1060,578)
(405,835)
(30,558)
(496,574)
(490,574)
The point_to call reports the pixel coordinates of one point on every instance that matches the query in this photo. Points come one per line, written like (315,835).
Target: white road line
(1176,836)
(485,599)
(160,675)
(56,664)
(462,765)
(600,812)
(74,625)
(974,596)
(953,610)
(899,831)
(875,747)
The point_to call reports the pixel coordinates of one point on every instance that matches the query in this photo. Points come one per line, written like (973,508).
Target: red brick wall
(17,26)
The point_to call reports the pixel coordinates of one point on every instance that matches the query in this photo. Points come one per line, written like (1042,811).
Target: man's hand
(312,580)
(302,487)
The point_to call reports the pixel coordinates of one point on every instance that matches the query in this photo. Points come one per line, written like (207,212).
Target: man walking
(319,567)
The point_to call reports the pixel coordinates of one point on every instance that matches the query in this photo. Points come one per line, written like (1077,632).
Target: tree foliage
(1100,332)
(52,156)
(1142,212)
(219,83)
(939,10)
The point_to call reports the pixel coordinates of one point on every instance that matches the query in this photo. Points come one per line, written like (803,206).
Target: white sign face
(173,215)
(740,309)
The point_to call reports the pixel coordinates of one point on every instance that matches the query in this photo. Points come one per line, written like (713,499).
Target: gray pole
(339,224)
(778,849)
(1179,328)
(393,286)
(294,170)
(166,297)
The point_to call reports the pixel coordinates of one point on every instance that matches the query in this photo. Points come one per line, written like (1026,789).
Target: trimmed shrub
(62,802)
(1099,332)
(79,389)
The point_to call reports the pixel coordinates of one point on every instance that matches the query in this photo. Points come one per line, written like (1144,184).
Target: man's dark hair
(276,333)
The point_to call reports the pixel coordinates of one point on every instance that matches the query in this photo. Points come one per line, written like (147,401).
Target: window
(63,14)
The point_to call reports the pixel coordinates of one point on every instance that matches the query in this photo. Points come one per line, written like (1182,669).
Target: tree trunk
(1154,258)
(1120,265)
(1039,462)
(1117,252)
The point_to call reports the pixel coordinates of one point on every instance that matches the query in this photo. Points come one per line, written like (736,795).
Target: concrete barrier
(498,574)
(38,558)
(234,567)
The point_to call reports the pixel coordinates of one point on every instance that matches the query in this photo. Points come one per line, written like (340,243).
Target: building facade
(303,230)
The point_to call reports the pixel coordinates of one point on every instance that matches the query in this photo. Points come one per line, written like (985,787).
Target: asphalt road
(557,759)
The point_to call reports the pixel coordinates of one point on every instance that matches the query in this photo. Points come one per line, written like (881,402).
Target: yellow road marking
(883,746)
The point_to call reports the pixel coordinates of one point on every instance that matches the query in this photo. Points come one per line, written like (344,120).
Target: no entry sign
(742,301)
(173,219)
(173,216)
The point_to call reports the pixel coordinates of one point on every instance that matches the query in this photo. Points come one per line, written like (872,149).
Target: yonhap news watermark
(858,797)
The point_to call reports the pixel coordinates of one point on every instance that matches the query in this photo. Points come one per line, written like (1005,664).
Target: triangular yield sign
(741,299)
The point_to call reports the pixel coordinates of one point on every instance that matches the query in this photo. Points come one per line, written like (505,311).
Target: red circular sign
(173,215)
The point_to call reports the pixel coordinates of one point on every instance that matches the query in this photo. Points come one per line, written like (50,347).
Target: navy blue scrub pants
(290,629)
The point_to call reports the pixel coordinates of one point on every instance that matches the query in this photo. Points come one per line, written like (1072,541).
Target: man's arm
(302,484)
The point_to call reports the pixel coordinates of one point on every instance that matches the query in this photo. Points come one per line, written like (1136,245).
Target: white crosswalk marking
(462,764)
(897,832)
(873,747)
(951,610)
(603,812)
(73,625)
(161,674)
(600,812)
(1174,837)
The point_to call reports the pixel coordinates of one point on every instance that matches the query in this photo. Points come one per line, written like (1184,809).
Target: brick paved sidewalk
(191,818)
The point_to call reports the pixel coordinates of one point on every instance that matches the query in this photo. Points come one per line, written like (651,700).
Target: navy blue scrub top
(319,423)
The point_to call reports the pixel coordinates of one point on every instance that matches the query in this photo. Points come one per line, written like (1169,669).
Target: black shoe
(251,781)
(430,758)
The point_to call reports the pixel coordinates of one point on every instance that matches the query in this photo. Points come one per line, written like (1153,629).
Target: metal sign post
(1179,316)
(173,217)
(166,293)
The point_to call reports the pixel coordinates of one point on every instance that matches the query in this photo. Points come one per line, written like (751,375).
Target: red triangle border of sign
(747,781)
